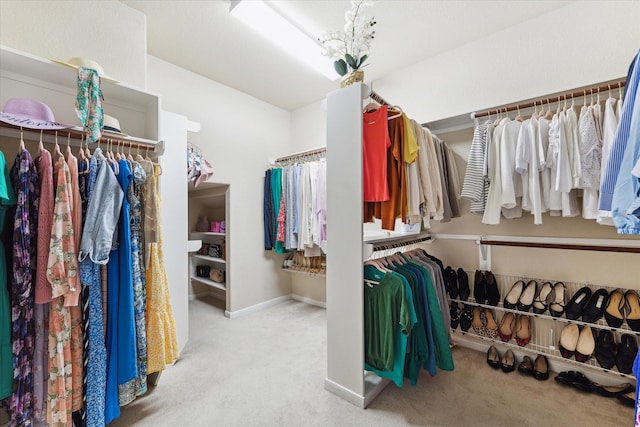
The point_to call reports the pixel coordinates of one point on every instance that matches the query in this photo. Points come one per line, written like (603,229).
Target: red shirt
(375,144)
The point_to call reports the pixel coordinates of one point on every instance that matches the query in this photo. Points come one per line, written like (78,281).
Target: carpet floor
(268,369)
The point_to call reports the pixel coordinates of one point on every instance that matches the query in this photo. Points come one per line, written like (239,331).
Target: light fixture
(283,33)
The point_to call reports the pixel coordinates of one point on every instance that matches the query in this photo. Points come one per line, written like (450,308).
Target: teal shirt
(7,199)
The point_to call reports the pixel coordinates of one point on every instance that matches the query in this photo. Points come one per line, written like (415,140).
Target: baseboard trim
(344,393)
(257,307)
(309,301)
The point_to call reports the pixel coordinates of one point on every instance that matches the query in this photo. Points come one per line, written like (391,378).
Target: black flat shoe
(491,286)
(454,311)
(632,309)
(628,399)
(463,285)
(466,318)
(614,312)
(626,354)
(577,303)
(594,309)
(541,368)
(508,362)
(479,288)
(528,294)
(493,358)
(575,379)
(541,300)
(605,349)
(612,390)
(557,299)
(513,296)
(526,366)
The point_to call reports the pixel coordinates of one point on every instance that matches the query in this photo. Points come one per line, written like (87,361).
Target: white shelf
(200,234)
(205,281)
(209,258)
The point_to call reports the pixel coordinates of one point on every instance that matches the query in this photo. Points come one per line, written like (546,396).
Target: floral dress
(62,273)
(27,190)
(137,386)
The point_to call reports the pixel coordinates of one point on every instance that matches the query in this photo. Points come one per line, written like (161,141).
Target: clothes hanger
(68,151)
(81,155)
(370,107)
(40,144)
(592,103)
(378,265)
(619,91)
(519,117)
(395,108)
(21,144)
(57,152)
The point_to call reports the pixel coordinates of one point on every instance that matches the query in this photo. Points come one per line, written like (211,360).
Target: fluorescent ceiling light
(283,33)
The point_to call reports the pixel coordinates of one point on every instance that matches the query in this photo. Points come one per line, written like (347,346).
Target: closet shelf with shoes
(584,325)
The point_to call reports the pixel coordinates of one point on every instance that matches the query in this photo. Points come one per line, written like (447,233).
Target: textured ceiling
(202,37)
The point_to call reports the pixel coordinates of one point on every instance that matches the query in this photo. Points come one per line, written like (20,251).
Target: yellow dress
(162,344)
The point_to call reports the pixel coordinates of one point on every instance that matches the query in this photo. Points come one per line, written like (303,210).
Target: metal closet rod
(572,246)
(573,93)
(301,155)
(400,244)
(77,133)
(373,95)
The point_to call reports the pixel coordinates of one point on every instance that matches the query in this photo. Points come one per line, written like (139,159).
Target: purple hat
(30,113)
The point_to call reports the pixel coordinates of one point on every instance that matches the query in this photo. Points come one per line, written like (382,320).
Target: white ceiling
(202,37)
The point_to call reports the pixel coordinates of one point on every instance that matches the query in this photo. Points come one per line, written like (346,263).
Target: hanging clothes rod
(551,244)
(76,133)
(558,97)
(301,155)
(400,244)
(373,95)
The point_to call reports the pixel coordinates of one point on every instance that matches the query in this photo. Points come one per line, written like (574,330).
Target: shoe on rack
(493,358)
(614,312)
(466,318)
(491,327)
(491,286)
(523,330)
(586,345)
(528,294)
(577,303)
(463,285)
(628,399)
(478,322)
(507,326)
(596,305)
(605,349)
(626,354)
(632,309)
(451,282)
(508,361)
(612,390)
(513,296)
(454,311)
(526,366)
(479,288)
(557,299)
(541,368)
(541,300)
(569,340)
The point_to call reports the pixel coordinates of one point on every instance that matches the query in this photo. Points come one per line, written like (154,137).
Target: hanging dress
(162,344)
(27,190)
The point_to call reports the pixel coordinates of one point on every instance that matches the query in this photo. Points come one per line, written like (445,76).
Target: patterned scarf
(89,103)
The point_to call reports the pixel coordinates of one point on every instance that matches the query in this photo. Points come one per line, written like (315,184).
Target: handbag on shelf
(215,250)
(216,275)
(202,224)
(203,270)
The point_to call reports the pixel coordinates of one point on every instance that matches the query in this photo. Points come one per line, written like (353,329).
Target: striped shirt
(622,136)
(475,186)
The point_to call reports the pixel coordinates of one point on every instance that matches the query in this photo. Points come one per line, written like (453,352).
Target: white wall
(239,133)
(580,44)
(109,32)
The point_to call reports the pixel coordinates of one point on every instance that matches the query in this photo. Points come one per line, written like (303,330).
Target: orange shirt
(375,143)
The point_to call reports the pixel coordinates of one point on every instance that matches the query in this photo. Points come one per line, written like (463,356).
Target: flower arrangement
(349,48)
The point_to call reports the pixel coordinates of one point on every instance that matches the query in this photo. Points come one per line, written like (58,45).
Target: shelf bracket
(484,256)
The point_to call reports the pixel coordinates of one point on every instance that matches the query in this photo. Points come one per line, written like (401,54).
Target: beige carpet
(268,369)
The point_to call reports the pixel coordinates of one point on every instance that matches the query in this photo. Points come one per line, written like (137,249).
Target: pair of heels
(485,288)
(507,362)
(521,295)
(515,326)
(622,355)
(484,323)
(539,368)
(623,306)
(457,283)
(577,343)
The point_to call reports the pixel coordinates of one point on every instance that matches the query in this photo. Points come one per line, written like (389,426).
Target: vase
(353,77)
